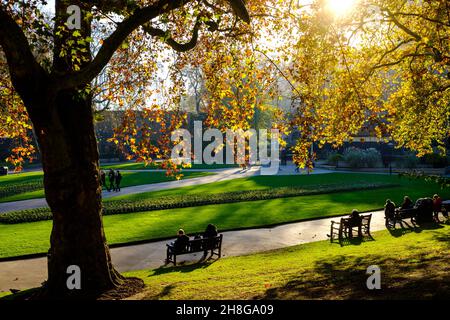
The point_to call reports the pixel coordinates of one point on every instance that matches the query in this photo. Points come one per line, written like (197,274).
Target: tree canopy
(382,65)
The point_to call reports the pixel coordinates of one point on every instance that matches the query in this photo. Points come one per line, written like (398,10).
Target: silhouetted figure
(389,210)
(355,221)
(437,207)
(407,203)
(111,178)
(181,242)
(210,232)
(177,246)
(103,178)
(118,179)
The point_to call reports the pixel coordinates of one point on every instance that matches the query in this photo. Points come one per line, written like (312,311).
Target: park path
(28,273)
(220,175)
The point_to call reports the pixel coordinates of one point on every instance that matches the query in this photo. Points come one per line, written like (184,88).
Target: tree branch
(23,67)
(401,26)
(180,47)
(140,17)
(406,14)
(111,44)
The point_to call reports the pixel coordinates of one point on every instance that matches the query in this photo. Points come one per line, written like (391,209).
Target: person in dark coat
(355,221)
(389,209)
(181,242)
(118,179)
(111,178)
(210,232)
(177,246)
(103,178)
(407,203)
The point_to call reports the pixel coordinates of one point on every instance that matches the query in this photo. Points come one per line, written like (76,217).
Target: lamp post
(390,145)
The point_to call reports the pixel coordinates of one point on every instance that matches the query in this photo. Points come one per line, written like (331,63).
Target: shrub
(358,158)
(410,162)
(13,189)
(334,158)
(372,158)
(354,157)
(436,160)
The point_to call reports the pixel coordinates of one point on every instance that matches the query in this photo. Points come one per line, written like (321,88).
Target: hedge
(13,189)
(190,200)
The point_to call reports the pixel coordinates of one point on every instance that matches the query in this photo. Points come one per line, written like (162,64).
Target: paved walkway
(29,273)
(220,175)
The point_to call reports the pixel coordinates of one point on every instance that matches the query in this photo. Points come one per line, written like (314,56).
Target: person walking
(111,179)
(118,179)
(103,179)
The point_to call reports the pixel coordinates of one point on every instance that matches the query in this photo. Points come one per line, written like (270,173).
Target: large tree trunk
(73,192)
(71,178)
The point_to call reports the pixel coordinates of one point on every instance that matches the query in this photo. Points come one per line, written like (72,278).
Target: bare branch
(401,26)
(180,47)
(422,17)
(111,44)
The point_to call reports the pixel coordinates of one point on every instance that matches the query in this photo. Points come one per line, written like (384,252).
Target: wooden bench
(196,245)
(344,229)
(400,215)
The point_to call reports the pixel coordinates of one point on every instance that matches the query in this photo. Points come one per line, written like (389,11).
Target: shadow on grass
(408,227)
(181,267)
(20,295)
(344,277)
(164,292)
(184,266)
(355,241)
(445,238)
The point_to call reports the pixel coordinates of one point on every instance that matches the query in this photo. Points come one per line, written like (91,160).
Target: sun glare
(341,7)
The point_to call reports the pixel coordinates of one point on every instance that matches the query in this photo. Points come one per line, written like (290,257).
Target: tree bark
(70,160)
(71,178)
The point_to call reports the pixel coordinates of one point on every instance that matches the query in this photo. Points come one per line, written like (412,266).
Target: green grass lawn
(129,179)
(413,265)
(17,178)
(414,188)
(142,166)
(28,238)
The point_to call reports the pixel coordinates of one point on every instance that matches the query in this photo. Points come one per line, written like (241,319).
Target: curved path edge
(29,273)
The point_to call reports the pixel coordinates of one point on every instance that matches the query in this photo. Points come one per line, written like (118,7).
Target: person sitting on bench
(181,242)
(210,232)
(407,203)
(355,221)
(389,209)
(437,207)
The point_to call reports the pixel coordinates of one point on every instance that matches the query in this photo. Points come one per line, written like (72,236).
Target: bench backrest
(196,245)
(365,220)
(407,213)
